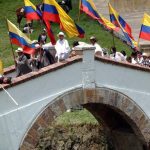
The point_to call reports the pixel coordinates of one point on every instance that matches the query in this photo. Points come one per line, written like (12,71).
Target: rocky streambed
(74,137)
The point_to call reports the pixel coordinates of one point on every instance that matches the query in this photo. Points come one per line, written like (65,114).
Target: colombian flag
(50,32)
(31,12)
(89,8)
(109,25)
(50,12)
(53,12)
(117,20)
(145,28)
(20,39)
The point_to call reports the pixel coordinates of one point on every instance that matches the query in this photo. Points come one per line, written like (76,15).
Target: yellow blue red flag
(20,39)
(116,19)
(126,29)
(88,7)
(31,12)
(52,11)
(145,28)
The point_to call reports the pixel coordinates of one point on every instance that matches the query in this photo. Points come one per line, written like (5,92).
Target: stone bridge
(116,93)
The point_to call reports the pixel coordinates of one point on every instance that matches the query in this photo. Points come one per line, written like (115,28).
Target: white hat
(60,33)
(92,38)
(34,41)
(37,45)
(19,50)
(145,54)
(63,2)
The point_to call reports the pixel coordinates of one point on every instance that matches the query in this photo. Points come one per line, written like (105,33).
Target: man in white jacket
(62,47)
(98,49)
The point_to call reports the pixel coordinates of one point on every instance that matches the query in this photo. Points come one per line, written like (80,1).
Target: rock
(73,137)
(76,147)
(68,144)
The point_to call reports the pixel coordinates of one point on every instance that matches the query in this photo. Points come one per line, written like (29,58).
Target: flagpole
(29,30)
(138,42)
(9,95)
(11,43)
(79,11)
(112,32)
(113,38)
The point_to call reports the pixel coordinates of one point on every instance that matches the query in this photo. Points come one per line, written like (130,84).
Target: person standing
(62,47)
(22,65)
(42,37)
(94,43)
(134,58)
(145,62)
(117,56)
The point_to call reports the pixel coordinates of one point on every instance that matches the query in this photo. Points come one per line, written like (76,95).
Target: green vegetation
(91,27)
(76,117)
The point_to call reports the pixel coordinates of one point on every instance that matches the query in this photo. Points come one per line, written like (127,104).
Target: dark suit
(22,66)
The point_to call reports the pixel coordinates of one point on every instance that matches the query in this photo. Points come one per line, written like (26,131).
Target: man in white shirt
(94,43)
(62,47)
(117,56)
(134,58)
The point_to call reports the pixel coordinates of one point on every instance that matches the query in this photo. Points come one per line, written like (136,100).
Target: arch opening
(109,107)
(117,129)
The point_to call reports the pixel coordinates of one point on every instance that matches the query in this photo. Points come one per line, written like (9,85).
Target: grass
(76,117)
(91,27)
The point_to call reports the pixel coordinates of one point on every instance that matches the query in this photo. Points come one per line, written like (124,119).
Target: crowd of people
(43,57)
(137,57)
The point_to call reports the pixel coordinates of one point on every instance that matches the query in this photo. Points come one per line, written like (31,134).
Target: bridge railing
(80,52)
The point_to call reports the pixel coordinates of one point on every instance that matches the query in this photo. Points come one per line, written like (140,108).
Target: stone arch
(115,100)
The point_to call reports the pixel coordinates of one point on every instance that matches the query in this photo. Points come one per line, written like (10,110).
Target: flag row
(53,12)
(116,20)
